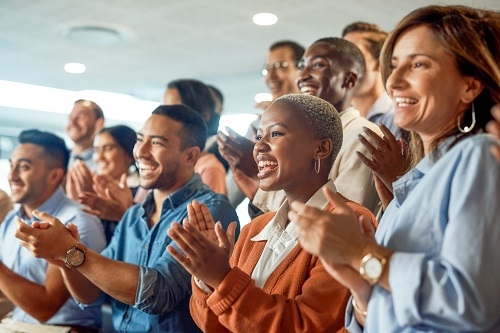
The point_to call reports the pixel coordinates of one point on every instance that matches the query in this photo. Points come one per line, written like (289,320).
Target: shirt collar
(47,206)
(382,105)
(348,115)
(176,199)
(404,185)
(84,155)
(318,200)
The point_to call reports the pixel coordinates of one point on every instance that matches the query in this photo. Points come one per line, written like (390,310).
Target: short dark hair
(196,95)
(124,136)
(297,49)
(348,55)
(194,130)
(54,147)
(96,108)
(374,36)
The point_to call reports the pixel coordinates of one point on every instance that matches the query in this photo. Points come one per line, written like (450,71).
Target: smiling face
(111,159)
(425,84)
(321,75)
(30,176)
(281,81)
(285,150)
(82,123)
(158,154)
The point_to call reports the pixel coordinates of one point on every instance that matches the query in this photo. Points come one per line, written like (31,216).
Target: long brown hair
(472,37)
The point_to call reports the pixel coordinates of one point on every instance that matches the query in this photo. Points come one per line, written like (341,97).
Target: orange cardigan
(298,296)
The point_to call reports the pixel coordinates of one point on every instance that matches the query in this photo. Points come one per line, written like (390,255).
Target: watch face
(373,268)
(75,257)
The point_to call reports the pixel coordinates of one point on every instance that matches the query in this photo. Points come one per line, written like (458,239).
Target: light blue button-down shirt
(382,112)
(444,225)
(19,260)
(162,299)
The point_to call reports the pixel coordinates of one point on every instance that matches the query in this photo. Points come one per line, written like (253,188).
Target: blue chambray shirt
(444,225)
(22,262)
(162,299)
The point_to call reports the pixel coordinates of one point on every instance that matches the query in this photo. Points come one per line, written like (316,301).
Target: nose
(304,75)
(271,73)
(396,79)
(98,154)
(13,174)
(142,149)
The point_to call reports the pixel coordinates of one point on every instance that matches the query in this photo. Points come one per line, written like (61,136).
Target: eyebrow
(154,136)
(414,55)
(274,125)
(22,159)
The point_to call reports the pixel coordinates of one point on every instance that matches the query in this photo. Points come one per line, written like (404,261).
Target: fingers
(73,229)
(389,138)
(123,181)
(222,237)
(183,239)
(46,217)
(379,142)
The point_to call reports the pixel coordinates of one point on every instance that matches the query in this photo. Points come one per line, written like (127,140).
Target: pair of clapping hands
(101,194)
(205,248)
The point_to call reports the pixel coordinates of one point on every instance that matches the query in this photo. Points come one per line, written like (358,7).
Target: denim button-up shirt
(162,298)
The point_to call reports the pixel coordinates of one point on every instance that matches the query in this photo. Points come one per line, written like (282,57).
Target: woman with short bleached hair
(269,283)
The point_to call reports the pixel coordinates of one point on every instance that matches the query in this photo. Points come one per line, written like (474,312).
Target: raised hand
(238,152)
(199,217)
(200,256)
(79,180)
(389,157)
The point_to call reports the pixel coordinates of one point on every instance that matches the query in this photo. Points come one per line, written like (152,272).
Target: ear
(472,89)
(350,80)
(191,155)
(99,125)
(55,176)
(324,148)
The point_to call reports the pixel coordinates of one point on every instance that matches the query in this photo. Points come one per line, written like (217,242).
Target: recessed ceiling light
(74,68)
(265,19)
(263,97)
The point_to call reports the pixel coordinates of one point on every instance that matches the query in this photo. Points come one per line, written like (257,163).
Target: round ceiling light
(265,19)
(75,68)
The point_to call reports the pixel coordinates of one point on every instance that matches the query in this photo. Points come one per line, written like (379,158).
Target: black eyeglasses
(280,65)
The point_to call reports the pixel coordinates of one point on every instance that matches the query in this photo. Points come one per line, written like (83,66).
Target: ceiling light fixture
(263,97)
(75,68)
(265,19)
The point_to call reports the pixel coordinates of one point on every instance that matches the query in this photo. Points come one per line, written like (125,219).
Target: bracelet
(358,309)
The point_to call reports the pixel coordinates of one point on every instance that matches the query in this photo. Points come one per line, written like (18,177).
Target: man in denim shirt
(149,290)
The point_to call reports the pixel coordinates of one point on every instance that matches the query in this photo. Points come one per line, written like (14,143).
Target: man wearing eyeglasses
(280,73)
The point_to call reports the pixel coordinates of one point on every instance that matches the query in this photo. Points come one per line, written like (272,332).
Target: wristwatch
(372,267)
(75,256)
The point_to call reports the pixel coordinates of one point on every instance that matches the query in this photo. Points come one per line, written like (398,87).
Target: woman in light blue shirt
(433,264)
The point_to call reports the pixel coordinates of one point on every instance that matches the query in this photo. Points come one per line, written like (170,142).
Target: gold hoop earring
(317,165)
(467,129)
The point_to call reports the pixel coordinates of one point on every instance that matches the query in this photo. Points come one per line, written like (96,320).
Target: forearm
(117,279)
(39,301)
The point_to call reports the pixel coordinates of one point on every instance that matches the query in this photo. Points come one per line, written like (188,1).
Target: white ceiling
(211,40)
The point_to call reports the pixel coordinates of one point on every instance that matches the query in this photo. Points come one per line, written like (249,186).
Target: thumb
(333,197)
(123,180)
(73,229)
(366,226)
(42,216)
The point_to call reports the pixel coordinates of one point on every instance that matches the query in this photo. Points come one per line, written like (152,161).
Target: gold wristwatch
(75,256)
(372,267)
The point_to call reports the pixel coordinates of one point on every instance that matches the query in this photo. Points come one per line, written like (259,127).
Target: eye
(24,167)
(138,139)
(318,65)
(156,143)
(258,137)
(275,134)
(301,66)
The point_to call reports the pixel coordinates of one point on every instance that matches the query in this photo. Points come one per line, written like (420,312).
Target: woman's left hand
(390,157)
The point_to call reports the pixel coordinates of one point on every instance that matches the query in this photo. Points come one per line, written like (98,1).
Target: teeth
(146,167)
(265,163)
(307,90)
(404,101)
(272,85)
